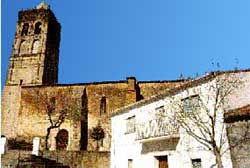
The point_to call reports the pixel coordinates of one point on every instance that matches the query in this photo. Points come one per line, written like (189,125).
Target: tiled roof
(173,91)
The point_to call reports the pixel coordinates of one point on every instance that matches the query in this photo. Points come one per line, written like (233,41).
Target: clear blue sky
(149,39)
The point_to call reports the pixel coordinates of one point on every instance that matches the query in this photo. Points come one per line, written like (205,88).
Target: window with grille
(191,104)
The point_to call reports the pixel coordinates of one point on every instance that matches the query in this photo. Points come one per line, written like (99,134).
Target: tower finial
(42,5)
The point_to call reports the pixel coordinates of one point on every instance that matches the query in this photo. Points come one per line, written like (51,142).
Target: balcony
(156,128)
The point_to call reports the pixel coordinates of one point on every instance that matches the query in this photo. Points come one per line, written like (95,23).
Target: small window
(191,104)
(130,125)
(52,103)
(21,82)
(37,28)
(130,163)
(53,100)
(103,106)
(160,109)
(25,29)
(196,163)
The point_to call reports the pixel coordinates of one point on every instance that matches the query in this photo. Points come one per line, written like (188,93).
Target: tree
(97,133)
(58,105)
(201,113)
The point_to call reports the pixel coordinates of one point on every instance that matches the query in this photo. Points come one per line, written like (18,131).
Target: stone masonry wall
(11,98)
(31,120)
(81,159)
(240,150)
(148,89)
(73,159)
(10,159)
(34,58)
(117,96)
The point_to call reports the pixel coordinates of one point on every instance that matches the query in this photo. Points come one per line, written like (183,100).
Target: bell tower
(35,52)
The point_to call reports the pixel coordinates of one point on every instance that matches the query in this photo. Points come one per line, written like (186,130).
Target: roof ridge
(193,82)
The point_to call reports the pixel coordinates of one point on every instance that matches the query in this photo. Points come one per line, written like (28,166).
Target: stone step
(31,166)
(39,162)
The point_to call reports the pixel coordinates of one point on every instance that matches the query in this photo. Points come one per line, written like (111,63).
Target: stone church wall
(31,120)
(148,89)
(11,98)
(117,95)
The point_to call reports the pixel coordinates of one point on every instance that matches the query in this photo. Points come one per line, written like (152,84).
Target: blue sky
(149,39)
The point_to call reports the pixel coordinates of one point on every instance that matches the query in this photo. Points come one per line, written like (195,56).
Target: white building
(147,135)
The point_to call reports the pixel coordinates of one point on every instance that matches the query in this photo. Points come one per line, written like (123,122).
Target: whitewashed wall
(125,146)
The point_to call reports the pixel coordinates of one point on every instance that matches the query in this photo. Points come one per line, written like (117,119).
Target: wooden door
(62,139)
(163,161)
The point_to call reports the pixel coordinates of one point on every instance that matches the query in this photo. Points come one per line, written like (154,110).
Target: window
(160,113)
(25,29)
(37,28)
(24,48)
(160,109)
(53,100)
(190,104)
(103,106)
(130,163)
(52,104)
(130,125)
(196,163)
(36,48)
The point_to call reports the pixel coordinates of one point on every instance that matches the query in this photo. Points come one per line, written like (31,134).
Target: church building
(89,122)
(32,87)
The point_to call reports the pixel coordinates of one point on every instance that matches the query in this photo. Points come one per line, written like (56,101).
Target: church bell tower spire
(35,53)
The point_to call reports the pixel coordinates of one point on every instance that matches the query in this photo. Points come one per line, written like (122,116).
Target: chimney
(131,83)
(131,90)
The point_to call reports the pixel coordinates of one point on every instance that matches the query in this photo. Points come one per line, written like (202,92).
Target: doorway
(162,161)
(62,139)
